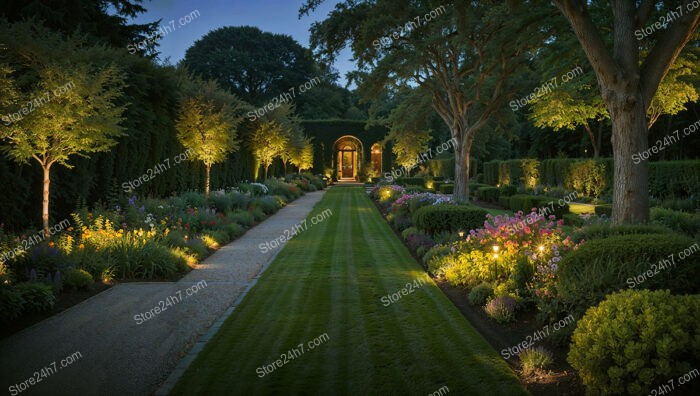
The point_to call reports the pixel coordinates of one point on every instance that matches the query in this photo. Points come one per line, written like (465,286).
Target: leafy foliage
(636,340)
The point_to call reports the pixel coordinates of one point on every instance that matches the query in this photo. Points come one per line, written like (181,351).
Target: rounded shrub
(603,266)
(479,294)
(438,218)
(635,341)
(77,279)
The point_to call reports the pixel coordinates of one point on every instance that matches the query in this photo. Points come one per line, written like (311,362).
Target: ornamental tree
(207,125)
(71,110)
(266,143)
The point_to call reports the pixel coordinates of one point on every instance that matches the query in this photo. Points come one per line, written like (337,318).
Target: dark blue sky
(276,16)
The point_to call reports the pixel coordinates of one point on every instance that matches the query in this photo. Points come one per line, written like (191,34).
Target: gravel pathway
(117,355)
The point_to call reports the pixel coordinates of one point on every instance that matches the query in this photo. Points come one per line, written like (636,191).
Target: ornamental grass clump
(501,309)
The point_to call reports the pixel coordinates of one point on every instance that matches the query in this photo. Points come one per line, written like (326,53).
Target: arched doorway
(348,158)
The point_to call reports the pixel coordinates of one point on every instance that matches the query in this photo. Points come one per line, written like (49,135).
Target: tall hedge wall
(667,179)
(446,167)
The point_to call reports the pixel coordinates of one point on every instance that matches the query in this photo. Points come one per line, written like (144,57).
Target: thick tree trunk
(266,167)
(630,181)
(45,206)
(462,152)
(206,183)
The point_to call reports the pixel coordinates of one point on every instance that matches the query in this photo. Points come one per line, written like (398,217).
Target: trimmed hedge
(438,218)
(448,188)
(475,186)
(598,231)
(508,190)
(488,194)
(635,341)
(446,167)
(602,266)
(410,181)
(667,179)
(504,201)
(491,172)
(674,179)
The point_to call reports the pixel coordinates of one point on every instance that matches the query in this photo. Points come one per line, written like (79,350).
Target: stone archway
(348,156)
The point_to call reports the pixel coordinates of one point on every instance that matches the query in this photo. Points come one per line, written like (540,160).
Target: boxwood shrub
(78,279)
(439,218)
(504,201)
(602,266)
(488,194)
(635,341)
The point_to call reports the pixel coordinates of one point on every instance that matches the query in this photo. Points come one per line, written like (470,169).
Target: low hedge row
(636,341)
(598,231)
(447,188)
(488,194)
(438,218)
(603,266)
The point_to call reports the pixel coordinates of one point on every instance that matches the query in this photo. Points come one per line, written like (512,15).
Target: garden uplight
(461,234)
(495,249)
(495,256)
(541,248)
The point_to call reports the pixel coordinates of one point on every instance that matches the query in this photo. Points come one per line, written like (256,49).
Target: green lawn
(330,280)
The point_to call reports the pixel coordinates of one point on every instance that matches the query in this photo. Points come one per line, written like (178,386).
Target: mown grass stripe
(330,280)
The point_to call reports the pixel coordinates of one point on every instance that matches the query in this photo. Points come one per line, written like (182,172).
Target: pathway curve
(121,357)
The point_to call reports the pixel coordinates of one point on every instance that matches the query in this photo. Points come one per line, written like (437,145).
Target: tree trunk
(284,166)
(630,181)
(266,167)
(594,143)
(45,206)
(462,152)
(206,183)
